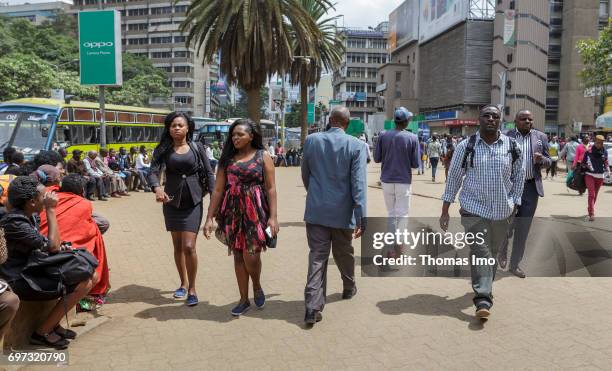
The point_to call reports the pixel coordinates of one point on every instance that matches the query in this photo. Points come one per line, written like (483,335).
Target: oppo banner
(100,47)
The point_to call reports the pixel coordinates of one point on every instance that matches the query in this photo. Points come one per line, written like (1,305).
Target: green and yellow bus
(35,124)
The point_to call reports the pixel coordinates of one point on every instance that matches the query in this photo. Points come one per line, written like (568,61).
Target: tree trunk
(254,104)
(304,112)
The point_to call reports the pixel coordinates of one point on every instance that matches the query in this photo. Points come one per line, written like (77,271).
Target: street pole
(283,112)
(102,103)
(503,77)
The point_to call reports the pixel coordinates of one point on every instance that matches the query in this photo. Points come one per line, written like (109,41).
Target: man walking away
(398,151)
(534,147)
(334,175)
(487,167)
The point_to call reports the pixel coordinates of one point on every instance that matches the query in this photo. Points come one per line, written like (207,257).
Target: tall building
(354,83)
(35,13)
(544,64)
(150,28)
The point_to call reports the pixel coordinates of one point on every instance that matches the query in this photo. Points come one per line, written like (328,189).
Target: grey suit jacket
(334,174)
(539,143)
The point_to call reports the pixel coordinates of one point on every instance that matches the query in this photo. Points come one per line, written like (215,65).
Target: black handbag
(200,167)
(66,267)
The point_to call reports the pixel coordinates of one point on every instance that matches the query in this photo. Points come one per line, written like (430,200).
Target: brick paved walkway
(413,323)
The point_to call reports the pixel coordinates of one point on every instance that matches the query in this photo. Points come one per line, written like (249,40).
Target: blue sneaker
(180,293)
(192,300)
(241,308)
(260,299)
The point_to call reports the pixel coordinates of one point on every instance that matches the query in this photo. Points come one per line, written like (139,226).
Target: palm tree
(254,37)
(307,71)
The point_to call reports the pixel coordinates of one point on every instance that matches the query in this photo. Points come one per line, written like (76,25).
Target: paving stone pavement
(407,323)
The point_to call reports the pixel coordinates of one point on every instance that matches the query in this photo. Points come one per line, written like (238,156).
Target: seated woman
(28,197)
(76,225)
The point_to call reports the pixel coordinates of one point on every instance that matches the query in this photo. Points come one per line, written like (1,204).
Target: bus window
(62,134)
(137,134)
(143,118)
(158,119)
(91,134)
(64,115)
(117,134)
(83,114)
(108,115)
(126,134)
(76,134)
(110,137)
(126,117)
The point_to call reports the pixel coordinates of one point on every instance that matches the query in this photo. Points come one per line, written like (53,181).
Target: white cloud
(364,13)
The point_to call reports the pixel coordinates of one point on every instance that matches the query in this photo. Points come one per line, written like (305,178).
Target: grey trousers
(321,240)
(9,303)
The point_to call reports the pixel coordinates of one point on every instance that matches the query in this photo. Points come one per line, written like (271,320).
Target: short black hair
(7,154)
(73,183)
(21,190)
(47,158)
(17,158)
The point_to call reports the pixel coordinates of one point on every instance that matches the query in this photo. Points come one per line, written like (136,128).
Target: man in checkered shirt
(491,179)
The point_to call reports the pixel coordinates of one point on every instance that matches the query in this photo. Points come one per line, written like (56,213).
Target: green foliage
(293,119)
(35,59)
(597,58)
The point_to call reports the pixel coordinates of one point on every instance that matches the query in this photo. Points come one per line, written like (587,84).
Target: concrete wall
(579,22)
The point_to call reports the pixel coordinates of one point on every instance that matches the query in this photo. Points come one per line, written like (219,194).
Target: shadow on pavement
(168,309)
(292,224)
(433,305)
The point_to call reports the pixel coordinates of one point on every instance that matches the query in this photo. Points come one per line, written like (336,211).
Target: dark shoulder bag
(270,240)
(197,148)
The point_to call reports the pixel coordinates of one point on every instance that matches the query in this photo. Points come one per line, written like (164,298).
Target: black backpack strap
(469,152)
(515,151)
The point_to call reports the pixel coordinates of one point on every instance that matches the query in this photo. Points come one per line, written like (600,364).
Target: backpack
(469,151)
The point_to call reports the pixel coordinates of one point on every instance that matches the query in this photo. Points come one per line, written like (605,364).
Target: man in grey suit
(534,147)
(334,174)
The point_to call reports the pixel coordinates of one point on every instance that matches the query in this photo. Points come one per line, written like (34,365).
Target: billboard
(100,47)
(404,24)
(437,16)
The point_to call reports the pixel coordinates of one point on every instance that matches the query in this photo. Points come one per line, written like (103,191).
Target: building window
(161,55)
(182,84)
(140,41)
(142,54)
(182,54)
(161,40)
(160,23)
(379,44)
(382,78)
(182,100)
(162,10)
(138,12)
(180,8)
(137,27)
(168,69)
(182,69)
(355,57)
(398,76)
(356,43)
(179,39)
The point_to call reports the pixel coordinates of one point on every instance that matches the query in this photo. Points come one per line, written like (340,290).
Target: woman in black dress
(185,162)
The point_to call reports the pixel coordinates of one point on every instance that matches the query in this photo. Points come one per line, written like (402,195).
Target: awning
(604,121)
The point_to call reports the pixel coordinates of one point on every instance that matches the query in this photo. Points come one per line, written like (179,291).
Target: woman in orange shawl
(76,224)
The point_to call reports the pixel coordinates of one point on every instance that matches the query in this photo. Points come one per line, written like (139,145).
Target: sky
(357,13)
(364,13)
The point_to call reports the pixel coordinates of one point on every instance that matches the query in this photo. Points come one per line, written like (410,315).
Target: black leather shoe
(348,294)
(517,272)
(312,316)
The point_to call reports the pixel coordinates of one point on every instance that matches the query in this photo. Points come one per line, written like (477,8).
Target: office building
(354,83)
(150,28)
(35,13)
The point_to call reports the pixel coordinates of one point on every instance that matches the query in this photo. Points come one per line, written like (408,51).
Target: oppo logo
(97,44)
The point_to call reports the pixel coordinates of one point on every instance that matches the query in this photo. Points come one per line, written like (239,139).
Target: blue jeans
(494,235)
(434,165)
(213,163)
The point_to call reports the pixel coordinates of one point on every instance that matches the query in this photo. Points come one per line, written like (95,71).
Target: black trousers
(522,222)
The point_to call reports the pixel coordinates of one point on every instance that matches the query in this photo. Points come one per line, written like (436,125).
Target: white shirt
(209,154)
(271,150)
(140,164)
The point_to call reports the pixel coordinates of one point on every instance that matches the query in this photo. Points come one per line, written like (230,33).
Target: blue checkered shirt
(493,186)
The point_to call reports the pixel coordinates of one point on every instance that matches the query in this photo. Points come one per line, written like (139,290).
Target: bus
(217,131)
(34,124)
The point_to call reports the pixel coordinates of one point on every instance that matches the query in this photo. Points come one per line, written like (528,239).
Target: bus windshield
(31,135)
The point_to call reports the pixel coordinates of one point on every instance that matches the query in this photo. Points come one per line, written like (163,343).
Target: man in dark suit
(534,148)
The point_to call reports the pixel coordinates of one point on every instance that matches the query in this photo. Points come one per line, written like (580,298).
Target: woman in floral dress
(244,206)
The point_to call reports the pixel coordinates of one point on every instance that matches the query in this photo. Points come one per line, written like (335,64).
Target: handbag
(69,267)
(200,168)
(270,240)
(576,181)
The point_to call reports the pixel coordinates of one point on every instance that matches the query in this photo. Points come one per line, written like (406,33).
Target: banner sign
(100,48)
(443,115)
(404,24)
(438,16)
(509,27)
